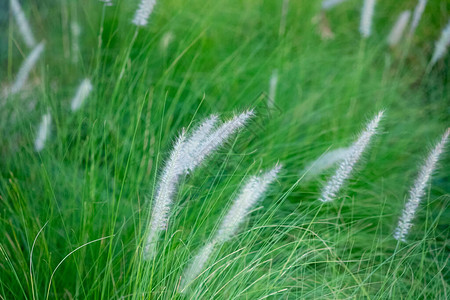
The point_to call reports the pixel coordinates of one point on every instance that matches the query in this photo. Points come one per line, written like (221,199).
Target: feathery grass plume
(365,26)
(107,2)
(143,12)
(164,196)
(418,11)
(213,140)
(326,161)
(418,190)
(440,48)
(249,195)
(43,132)
(197,265)
(83,91)
(76,31)
(22,23)
(329,4)
(345,168)
(187,154)
(167,38)
(26,67)
(399,27)
(273,82)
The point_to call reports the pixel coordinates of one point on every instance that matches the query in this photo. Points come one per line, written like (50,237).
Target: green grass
(88,193)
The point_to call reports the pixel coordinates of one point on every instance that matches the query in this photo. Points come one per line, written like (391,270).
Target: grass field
(73,216)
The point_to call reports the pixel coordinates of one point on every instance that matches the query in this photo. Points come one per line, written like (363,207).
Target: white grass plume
(326,161)
(367,12)
(43,132)
(329,4)
(253,190)
(26,68)
(83,91)
(187,154)
(197,264)
(214,140)
(418,190)
(441,45)
(399,27)
(345,168)
(164,196)
(143,12)
(418,11)
(249,195)
(166,40)
(76,32)
(273,82)
(22,23)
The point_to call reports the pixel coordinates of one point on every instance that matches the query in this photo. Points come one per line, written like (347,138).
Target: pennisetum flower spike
(273,82)
(22,23)
(329,4)
(143,12)
(345,168)
(83,91)
(365,26)
(43,132)
(326,161)
(249,195)
(399,27)
(187,154)
(418,190)
(441,45)
(26,68)
(417,15)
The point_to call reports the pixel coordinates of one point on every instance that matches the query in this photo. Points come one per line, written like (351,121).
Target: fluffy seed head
(197,265)
(399,27)
(329,4)
(43,132)
(272,88)
(143,12)
(441,45)
(83,91)
(26,68)
(418,190)
(345,168)
(253,190)
(366,18)
(326,161)
(418,11)
(22,23)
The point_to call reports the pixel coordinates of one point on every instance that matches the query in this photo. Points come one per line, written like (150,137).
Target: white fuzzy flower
(76,32)
(441,45)
(26,68)
(365,26)
(326,161)
(345,168)
(164,196)
(107,2)
(418,190)
(188,153)
(273,82)
(249,195)
(253,190)
(197,265)
(399,27)
(329,4)
(214,139)
(83,91)
(167,38)
(143,12)
(418,11)
(43,132)
(22,23)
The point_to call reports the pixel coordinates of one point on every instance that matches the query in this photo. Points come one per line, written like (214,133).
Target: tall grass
(75,215)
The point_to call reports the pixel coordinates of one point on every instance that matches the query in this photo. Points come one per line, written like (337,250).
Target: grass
(73,216)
